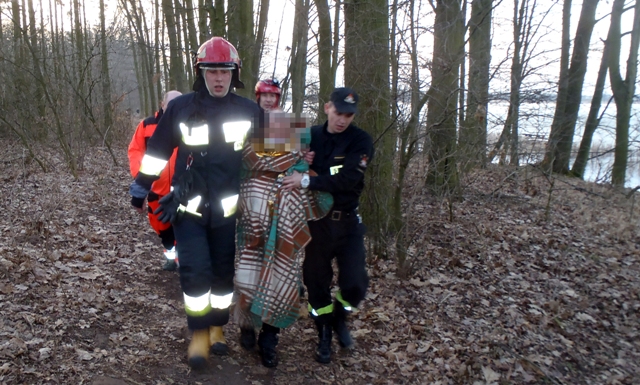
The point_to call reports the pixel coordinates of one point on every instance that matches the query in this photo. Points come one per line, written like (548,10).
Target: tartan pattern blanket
(272,234)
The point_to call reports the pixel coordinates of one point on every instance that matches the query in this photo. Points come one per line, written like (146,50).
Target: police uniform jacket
(340,162)
(209,134)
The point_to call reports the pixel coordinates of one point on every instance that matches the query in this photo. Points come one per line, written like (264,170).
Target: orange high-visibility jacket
(137,148)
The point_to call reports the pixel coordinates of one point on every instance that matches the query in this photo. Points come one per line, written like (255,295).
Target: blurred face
(283,132)
(268,101)
(218,81)
(337,122)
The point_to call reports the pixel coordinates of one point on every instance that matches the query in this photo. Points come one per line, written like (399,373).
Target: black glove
(137,202)
(168,209)
(138,194)
(189,184)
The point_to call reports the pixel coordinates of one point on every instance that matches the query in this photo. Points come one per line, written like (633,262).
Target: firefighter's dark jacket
(219,161)
(346,155)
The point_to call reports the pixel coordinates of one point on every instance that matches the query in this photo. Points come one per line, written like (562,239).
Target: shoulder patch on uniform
(363,160)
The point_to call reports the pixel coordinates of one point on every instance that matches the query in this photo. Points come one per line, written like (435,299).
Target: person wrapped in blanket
(273,232)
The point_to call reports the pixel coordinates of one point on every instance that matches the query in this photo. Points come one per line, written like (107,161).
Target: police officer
(160,187)
(342,153)
(209,128)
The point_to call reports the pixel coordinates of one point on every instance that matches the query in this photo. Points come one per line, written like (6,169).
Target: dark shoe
(247,338)
(267,342)
(340,326)
(217,341)
(323,352)
(170,265)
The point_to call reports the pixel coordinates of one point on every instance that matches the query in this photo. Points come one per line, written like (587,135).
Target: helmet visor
(217,66)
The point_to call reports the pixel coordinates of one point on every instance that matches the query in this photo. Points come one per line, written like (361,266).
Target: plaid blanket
(272,234)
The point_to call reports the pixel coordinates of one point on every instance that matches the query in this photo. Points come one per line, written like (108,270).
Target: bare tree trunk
(204,8)
(367,37)
(336,39)
(241,35)
(33,37)
(55,31)
(182,14)
(623,89)
(106,80)
(565,50)
(593,120)
(139,74)
(442,177)
(157,51)
(558,151)
(17,31)
(141,55)
(260,34)
(473,133)
(298,68)
(218,21)
(407,135)
(463,67)
(149,60)
(177,78)
(513,115)
(191,27)
(524,33)
(325,51)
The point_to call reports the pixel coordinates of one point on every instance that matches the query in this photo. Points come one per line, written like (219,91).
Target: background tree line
(429,73)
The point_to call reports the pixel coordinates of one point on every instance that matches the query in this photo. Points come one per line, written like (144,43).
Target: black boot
(340,325)
(247,338)
(267,342)
(323,352)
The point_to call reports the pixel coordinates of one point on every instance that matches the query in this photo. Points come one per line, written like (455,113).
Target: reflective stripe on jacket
(137,148)
(210,134)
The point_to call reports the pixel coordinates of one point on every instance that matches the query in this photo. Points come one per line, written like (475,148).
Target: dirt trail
(507,287)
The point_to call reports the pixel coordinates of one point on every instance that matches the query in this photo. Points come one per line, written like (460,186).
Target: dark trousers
(164,230)
(168,238)
(343,240)
(206,264)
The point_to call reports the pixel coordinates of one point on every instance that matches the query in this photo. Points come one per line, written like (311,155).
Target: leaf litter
(508,286)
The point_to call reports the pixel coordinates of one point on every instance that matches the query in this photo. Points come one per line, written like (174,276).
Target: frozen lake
(535,121)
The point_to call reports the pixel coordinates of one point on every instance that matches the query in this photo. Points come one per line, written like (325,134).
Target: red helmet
(269,86)
(219,53)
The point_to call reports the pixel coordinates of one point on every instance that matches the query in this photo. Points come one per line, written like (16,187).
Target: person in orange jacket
(161,187)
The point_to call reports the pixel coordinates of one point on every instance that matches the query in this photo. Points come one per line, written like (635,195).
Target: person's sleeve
(352,170)
(138,194)
(136,150)
(159,149)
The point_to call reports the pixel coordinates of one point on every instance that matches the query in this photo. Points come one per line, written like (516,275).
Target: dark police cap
(345,100)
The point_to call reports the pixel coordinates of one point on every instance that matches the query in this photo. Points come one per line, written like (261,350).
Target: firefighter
(159,188)
(342,153)
(268,94)
(209,127)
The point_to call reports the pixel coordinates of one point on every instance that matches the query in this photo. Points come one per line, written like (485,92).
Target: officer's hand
(167,210)
(138,195)
(292,181)
(308,156)
(137,204)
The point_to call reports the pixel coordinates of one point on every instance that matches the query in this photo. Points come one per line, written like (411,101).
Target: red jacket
(138,147)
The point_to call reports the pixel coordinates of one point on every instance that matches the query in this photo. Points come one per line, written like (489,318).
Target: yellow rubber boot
(198,352)
(217,342)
